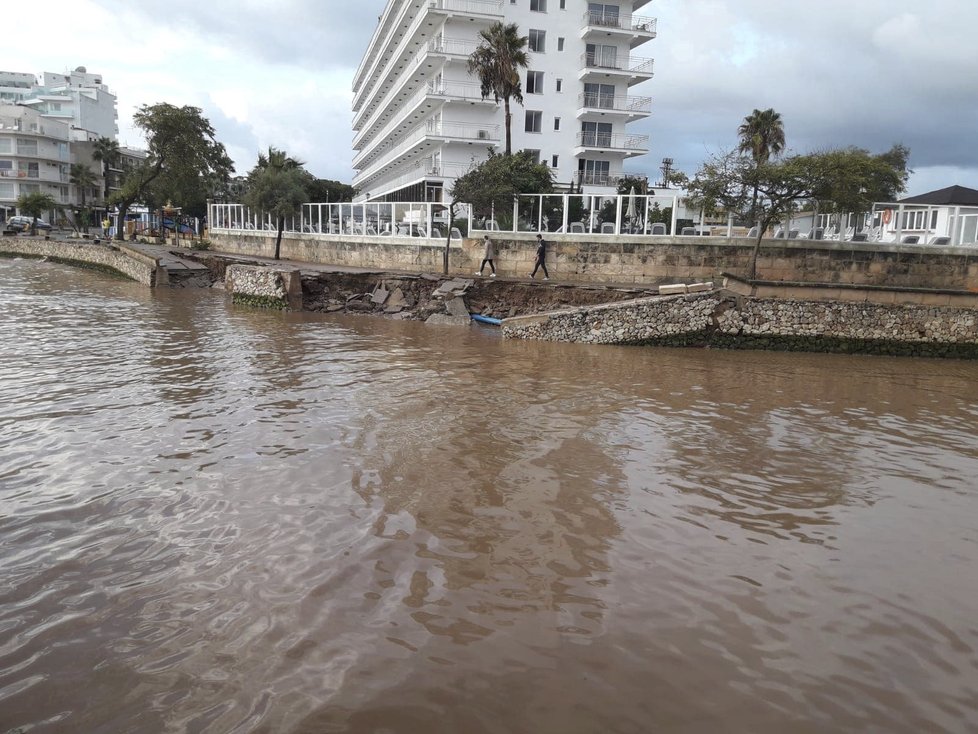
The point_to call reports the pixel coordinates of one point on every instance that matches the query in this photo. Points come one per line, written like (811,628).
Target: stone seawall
(118,260)
(639,260)
(267,287)
(725,319)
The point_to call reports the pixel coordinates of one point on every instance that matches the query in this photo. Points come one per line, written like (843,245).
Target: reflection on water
(215,519)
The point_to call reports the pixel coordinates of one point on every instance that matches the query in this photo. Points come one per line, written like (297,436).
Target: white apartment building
(34,156)
(419,119)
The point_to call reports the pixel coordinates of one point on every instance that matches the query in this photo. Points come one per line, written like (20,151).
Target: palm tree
(277,185)
(761,136)
(83,178)
(497,62)
(107,152)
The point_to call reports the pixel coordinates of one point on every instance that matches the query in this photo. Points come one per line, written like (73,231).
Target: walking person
(489,256)
(541,259)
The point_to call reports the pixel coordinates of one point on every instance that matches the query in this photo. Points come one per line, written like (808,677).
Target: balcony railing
(452,46)
(623,103)
(631,64)
(630,23)
(612,141)
(456,90)
(603,178)
(469,7)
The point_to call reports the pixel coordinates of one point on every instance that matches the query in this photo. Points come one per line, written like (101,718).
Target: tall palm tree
(497,62)
(83,178)
(761,136)
(108,154)
(277,186)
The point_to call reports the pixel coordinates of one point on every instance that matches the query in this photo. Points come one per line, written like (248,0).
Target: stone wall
(264,286)
(120,260)
(724,319)
(641,260)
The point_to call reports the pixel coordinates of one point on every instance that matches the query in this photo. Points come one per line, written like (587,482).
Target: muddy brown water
(218,519)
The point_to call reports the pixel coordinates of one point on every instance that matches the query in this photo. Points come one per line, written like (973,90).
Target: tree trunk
(278,238)
(752,267)
(508,118)
(448,237)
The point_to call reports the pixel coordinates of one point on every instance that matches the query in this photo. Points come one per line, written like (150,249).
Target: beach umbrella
(631,206)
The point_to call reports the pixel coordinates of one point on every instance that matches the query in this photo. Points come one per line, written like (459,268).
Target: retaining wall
(726,319)
(118,259)
(639,260)
(264,286)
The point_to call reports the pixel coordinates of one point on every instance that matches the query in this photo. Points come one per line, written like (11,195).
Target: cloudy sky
(278,72)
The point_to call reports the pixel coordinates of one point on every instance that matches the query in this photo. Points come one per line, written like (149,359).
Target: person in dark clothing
(541,258)
(489,256)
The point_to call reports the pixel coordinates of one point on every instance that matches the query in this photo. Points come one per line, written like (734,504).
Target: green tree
(106,151)
(497,62)
(181,148)
(761,136)
(277,185)
(326,190)
(494,184)
(34,205)
(84,179)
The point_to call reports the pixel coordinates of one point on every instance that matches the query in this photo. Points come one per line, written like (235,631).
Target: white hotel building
(419,119)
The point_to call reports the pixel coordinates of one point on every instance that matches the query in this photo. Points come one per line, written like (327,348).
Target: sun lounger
(940,241)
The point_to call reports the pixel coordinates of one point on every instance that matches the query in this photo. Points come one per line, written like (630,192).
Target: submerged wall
(726,319)
(118,259)
(639,260)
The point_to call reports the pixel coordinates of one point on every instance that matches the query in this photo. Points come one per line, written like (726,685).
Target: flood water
(218,519)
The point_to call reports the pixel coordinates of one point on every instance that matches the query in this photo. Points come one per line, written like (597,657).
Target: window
(563,4)
(605,57)
(6,145)
(603,15)
(30,188)
(593,172)
(556,123)
(599,95)
(560,43)
(27,147)
(560,84)
(534,119)
(27,169)
(6,166)
(534,154)
(553,162)
(597,134)
(538,6)
(538,40)
(7,190)
(534,82)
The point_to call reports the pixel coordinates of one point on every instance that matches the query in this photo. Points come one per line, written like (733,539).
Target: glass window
(563,5)
(560,84)
(601,14)
(539,6)
(534,119)
(6,145)
(556,123)
(534,154)
(599,95)
(596,134)
(27,147)
(534,82)
(27,168)
(30,188)
(560,43)
(538,40)
(605,57)
(553,162)
(7,190)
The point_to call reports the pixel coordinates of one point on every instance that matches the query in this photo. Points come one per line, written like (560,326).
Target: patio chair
(607,228)
(577,228)
(793,234)
(779,234)
(910,239)
(752,233)
(492,225)
(940,241)
(456,233)
(658,228)
(688,231)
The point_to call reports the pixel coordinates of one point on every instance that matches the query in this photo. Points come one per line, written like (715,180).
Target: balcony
(634,69)
(621,142)
(603,178)
(486,8)
(603,24)
(627,106)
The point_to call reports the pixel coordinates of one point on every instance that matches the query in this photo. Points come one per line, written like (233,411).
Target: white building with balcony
(34,156)
(419,119)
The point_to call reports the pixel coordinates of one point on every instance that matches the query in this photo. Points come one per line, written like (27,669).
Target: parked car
(22,223)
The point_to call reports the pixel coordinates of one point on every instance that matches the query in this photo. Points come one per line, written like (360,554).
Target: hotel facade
(420,121)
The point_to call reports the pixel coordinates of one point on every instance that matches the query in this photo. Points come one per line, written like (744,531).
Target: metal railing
(616,103)
(612,141)
(473,7)
(631,64)
(625,22)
